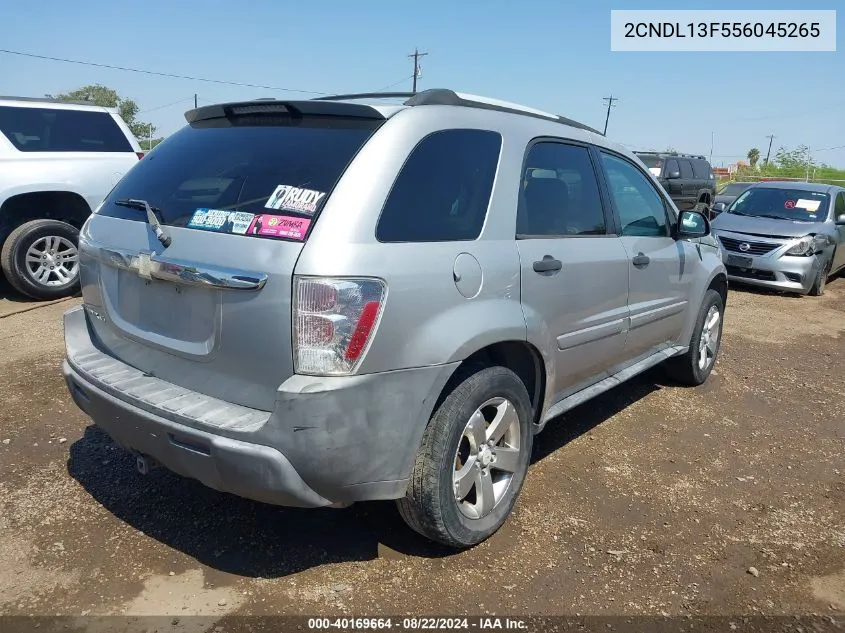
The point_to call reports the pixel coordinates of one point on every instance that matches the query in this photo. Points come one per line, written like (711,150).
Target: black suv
(688,179)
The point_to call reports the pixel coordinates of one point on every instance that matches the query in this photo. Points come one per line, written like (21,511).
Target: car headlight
(805,246)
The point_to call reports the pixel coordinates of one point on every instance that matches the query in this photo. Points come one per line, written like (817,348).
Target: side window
(640,206)
(560,193)
(443,190)
(54,130)
(701,169)
(839,209)
(672,166)
(686,169)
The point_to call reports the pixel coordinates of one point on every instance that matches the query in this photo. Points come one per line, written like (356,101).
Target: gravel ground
(727,499)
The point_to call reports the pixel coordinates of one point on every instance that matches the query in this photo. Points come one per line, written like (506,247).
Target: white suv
(58,161)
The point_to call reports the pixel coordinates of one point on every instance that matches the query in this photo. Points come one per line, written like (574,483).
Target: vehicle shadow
(7,293)
(253,539)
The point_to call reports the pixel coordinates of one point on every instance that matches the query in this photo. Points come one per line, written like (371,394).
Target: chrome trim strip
(151,265)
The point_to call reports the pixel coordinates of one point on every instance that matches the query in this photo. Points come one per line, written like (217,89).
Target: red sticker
(789,204)
(279,226)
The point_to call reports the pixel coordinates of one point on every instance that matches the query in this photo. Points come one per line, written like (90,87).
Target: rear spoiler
(272,107)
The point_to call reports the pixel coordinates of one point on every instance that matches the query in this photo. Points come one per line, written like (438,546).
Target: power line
(159,74)
(609,100)
(394,84)
(416,55)
(167,105)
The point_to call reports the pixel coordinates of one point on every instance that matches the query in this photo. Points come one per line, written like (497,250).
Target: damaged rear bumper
(329,441)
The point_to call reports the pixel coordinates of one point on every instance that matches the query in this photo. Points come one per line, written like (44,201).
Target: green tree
(797,158)
(108,98)
(753,157)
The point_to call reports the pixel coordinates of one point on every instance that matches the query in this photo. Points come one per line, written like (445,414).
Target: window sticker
(655,171)
(809,205)
(289,198)
(789,204)
(221,221)
(279,226)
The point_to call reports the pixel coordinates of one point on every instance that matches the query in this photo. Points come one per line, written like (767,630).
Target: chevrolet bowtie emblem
(144,265)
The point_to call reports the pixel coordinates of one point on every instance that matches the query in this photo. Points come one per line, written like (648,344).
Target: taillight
(140,155)
(334,320)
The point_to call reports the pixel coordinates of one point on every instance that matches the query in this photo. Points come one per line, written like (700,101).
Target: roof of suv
(348,105)
(47,102)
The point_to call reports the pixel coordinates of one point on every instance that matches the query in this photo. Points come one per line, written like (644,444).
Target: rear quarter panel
(425,320)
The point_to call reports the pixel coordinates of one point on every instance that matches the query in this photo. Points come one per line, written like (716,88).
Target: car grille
(754,248)
(763,275)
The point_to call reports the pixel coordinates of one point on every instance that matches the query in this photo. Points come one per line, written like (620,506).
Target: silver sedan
(787,236)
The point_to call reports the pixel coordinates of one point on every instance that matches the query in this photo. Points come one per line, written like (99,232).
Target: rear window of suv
(264,167)
(56,130)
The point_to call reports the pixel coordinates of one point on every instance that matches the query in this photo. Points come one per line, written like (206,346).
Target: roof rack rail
(365,95)
(442,96)
(678,154)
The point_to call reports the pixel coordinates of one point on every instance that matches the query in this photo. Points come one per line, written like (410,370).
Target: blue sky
(548,54)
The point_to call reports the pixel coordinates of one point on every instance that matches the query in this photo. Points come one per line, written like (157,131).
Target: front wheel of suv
(473,459)
(41,259)
(694,367)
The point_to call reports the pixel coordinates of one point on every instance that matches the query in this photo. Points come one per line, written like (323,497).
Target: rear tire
(41,259)
(690,369)
(463,488)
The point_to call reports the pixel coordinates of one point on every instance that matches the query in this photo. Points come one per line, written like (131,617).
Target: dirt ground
(654,499)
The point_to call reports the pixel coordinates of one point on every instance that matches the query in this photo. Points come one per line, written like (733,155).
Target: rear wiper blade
(143,205)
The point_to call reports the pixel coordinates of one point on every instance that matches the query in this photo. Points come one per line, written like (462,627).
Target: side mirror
(672,175)
(719,207)
(841,219)
(693,224)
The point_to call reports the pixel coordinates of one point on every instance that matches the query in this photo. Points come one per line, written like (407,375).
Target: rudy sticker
(279,226)
(288,198)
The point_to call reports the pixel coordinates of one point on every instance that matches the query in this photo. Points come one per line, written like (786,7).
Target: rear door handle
(547,265)
(640,260)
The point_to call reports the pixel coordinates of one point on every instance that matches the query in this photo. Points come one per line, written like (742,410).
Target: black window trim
(405,162)
(671,219)
(610,224)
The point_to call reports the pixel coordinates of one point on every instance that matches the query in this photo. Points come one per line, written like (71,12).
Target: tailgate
(211,312)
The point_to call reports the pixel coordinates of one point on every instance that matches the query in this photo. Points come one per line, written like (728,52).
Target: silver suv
(58,161)
(313,303)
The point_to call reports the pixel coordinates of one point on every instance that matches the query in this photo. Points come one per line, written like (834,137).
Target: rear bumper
(328,441)
(242,468)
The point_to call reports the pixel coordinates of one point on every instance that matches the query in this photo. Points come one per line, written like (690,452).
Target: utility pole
(416,55)
(768,153)
(195,101)
(712,136)
(807,178)
(610,104)
(150,142)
